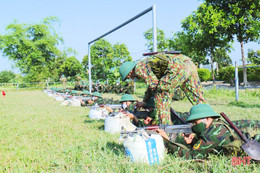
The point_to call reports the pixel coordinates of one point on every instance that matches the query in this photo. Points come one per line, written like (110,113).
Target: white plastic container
(148,151)
(118,123)
(59,98)
(74,102)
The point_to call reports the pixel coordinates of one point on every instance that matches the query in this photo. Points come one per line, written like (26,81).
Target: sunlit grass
(39,135)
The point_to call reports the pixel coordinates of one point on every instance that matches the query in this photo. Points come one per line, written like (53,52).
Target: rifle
(115,106)
(184,128)
(177,116)
(82,98)
(167,52)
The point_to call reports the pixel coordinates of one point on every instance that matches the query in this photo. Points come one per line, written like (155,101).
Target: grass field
(39,135)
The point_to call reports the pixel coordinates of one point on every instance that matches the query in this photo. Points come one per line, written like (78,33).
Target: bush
(6,76)
(228,73)
(204,74)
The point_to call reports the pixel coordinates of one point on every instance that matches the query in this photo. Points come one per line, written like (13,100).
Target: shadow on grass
(243,105)
(92,121)
(118,149)
(102,127)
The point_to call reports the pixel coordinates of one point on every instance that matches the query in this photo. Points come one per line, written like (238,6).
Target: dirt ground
(225,85)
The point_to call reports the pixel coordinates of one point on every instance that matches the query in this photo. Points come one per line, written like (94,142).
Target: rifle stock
(184,128)
(167,52)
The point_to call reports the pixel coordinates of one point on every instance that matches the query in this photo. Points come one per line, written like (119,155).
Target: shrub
(204,74)
(228,73)
(6,76)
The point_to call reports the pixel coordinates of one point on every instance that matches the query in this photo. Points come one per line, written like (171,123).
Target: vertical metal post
(89,68)
(154,29)
(17,86)
(47,83)
(107,81)
(236,81)
(134,87)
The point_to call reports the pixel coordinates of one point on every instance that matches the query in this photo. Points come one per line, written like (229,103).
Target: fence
(34,85)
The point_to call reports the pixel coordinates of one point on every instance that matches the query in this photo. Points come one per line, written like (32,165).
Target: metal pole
(154,29)
(123,24)
(236,81)
(89,68)
(17,86)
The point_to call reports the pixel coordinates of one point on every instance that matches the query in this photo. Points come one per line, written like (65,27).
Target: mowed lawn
(39,135)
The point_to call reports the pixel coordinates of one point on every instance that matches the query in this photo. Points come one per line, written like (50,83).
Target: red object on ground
(3,93)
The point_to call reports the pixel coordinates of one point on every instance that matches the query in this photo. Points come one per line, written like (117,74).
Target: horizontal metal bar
(123,24)
(249,66)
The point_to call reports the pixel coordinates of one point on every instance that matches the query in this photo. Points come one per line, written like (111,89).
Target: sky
(82,21)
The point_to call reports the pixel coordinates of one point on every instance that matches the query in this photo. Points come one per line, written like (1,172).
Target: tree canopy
(106,59)
(32,47)
(242,19)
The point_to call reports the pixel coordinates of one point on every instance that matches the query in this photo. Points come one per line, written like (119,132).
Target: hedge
(204,74)
(228,73)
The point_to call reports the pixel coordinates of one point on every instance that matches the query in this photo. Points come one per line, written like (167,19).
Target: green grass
(39,135)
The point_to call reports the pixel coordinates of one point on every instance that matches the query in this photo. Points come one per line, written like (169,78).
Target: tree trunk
(244,64)
(211,63)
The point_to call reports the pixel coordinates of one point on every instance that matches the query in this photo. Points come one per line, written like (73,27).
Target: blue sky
(84,20)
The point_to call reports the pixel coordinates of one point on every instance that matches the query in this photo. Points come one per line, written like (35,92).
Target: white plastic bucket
(148,151)
(118,123)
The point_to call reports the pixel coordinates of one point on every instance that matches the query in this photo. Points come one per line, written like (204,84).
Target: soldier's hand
(131,116)
(188,137)
(162,133)
(139,104)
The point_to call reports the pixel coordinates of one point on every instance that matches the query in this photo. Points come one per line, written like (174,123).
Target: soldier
(212,136)
(97,99)
(148,115)
(63,81)
(82,85)
(85,93)
(164,73)
(77,84)
(128,102)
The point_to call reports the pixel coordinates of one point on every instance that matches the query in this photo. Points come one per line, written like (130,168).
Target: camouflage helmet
(67,90)
(201,111)
(97,94)
(73,92)
(126,68)
(126,97)
(85,92)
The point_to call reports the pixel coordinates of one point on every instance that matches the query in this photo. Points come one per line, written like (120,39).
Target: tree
(254,56)
(203,27)
(185,43)
(71,67)
(162,42)
(6,76)
(242,19)
(32,47)
(222,58)
(106,59)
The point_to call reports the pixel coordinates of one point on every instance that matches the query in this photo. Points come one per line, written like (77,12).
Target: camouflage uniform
(64,82)
(77,85)
(164,73)
(102,101)
(217,138)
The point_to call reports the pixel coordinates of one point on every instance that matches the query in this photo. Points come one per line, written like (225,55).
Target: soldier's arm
(144,71)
